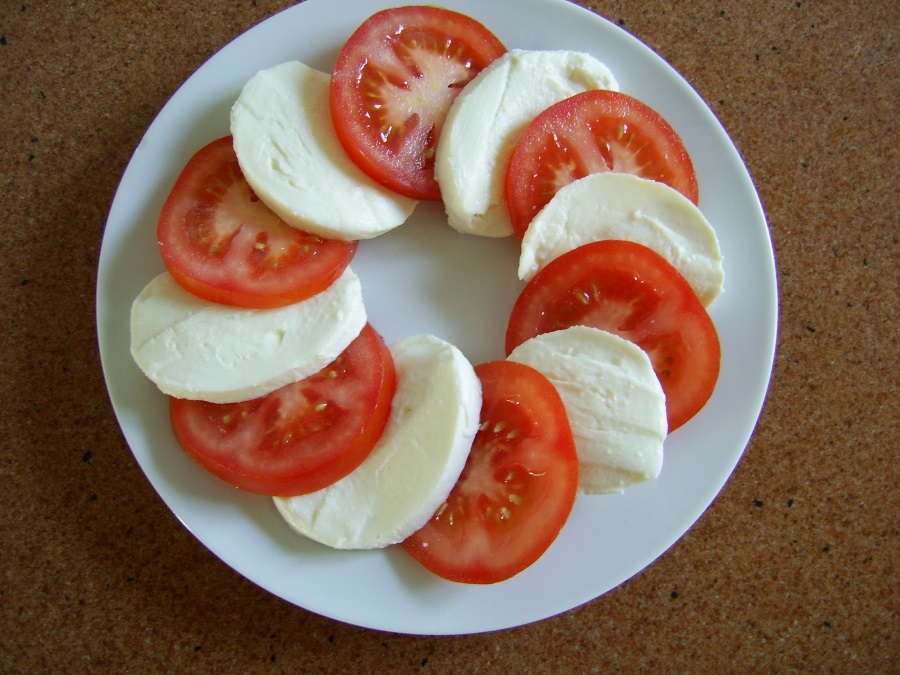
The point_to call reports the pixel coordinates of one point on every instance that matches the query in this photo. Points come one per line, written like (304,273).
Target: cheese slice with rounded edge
(485,121)
(396,490)
(195,349)
(290,155)
(615,403)
(622,206)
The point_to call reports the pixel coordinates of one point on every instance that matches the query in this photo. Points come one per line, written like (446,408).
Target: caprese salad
(280,385)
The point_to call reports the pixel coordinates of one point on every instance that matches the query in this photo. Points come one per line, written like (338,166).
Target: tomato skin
(591,132)
(518,486)
(302,437)
(221,243)
(392,85)
(630,290)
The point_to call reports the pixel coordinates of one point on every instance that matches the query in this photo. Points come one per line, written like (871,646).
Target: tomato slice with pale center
(302,437)
(221,243)
(517,488)
(392,85)
(632,291)
(592,132)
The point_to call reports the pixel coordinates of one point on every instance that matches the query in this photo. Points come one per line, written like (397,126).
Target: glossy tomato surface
(302,437)
(632,291)
(393,83)
(221,243)
(592,132)
(517,488)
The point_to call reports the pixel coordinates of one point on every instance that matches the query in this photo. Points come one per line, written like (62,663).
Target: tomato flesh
(592,132)
(221,243)
(630,290)
(302,437)
(517,488)
(392,85)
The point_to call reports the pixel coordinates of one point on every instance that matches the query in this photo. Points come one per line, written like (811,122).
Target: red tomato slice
(517,488)
(630,290)
(591,132)
(302,437)
(221,243)
(392,85)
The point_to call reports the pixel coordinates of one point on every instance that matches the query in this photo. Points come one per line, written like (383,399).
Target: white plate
(424,278)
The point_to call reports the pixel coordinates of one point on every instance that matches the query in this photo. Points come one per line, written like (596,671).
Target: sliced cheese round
(434,419)
(615,404)
(195,349)
(486,120)
(290,154)
(622,206)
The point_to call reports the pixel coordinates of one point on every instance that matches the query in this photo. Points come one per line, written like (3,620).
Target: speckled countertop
(794,567)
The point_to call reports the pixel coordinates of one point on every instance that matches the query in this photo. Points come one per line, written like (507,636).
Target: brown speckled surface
(794,567)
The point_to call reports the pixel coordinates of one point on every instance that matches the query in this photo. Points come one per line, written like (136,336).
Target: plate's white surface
(425,278)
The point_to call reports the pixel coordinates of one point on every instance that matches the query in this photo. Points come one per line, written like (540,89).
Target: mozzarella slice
(195,349)
(434,418)
(486,120)
(615,403)
(290,154)
(622,206)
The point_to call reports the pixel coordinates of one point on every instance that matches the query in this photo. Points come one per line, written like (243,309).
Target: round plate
(425,278)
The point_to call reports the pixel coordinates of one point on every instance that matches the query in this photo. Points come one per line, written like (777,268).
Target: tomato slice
(221,243)
(594,131)
(517,488)
(632,291)
(302,437)
(392,85)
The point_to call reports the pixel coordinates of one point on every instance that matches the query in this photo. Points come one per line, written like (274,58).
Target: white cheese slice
(623,206)
(195,349)
(434,418)
(615,403)
(485,121)
(290,154)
